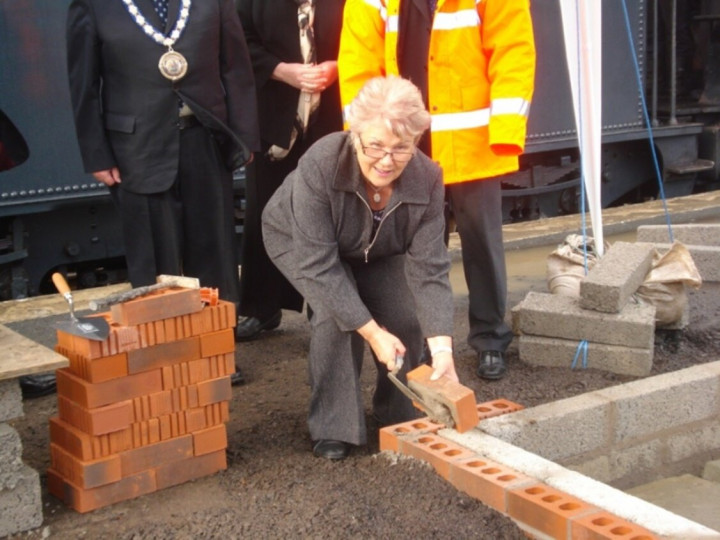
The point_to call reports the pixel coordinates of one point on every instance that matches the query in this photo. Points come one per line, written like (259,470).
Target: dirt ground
(275,488)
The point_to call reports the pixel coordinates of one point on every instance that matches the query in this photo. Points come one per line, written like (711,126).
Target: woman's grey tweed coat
(317,229)
(320,218)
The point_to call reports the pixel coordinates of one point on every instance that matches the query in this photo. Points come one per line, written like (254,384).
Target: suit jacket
(271,31)
(126,112)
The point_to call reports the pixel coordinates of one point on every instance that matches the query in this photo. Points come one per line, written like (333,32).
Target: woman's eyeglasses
(399,156)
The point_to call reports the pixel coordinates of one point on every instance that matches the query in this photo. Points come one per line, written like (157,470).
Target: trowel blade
(95,328)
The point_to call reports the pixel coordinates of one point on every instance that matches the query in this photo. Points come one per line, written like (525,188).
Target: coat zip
(386,214)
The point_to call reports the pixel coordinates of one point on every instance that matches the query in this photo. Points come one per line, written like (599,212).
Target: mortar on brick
(656,519)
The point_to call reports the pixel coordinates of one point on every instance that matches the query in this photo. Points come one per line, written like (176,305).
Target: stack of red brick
(145,409)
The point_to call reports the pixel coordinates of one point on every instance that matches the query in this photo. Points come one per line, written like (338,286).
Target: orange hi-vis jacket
(481,70)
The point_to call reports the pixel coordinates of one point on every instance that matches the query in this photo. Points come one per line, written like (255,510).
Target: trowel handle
(61,284)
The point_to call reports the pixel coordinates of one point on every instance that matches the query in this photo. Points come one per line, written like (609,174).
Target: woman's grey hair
(394,100)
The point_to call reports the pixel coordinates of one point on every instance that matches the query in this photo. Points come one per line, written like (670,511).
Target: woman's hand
(442,358)
(385,345)
(307,77)
(443,366)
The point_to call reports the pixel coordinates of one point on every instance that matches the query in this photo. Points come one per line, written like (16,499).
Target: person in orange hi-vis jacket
(474,61)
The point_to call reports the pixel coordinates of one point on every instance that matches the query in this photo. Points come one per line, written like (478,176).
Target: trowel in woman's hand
(435,410)
(95,328)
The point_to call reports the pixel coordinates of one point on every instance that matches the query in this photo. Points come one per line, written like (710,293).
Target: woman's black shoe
(331,449)
(249,328)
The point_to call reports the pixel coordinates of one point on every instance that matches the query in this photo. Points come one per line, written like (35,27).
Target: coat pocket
(120,122)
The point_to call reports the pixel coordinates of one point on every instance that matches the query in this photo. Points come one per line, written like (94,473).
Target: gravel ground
(275,488)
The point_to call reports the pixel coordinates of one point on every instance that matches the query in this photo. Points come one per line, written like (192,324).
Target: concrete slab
(701,234)
(687,495)
(616,276)
(556,352)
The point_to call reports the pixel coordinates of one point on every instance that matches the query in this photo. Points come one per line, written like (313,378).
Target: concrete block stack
(145,409)
(619,332)
(20,503)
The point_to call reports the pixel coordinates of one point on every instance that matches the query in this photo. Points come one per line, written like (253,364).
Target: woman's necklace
(376,192)
(172,65)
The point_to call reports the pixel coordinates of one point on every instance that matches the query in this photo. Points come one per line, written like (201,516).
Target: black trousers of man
(188,229)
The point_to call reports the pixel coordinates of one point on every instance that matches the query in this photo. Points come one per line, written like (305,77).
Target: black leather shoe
(249,328)
(33,386)
(237,378)
(491,365)
(331,449)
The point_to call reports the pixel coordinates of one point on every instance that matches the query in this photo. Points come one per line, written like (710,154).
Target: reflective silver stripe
(460,120)
(376,4)
(510,106)
(392,24)
(466,18)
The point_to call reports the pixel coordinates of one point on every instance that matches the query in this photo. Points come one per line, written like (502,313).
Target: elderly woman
(357,228)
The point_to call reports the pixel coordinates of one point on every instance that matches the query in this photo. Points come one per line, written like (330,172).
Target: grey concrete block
(556,352)
(616,276)
(706,259)
(546,429)
(10,400)
(705,234)
(21,507)
(557,316)
(662,403)
(637,461)
(693,441)
(10,456)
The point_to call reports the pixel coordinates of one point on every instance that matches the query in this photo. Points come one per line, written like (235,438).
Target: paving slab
(701,234)
(686,495)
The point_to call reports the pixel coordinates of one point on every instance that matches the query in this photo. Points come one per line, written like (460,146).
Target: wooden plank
(23,356)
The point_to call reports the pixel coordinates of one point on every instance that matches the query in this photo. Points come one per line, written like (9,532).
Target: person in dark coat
(164,106)
(357,228)
(287,60)
(282,71)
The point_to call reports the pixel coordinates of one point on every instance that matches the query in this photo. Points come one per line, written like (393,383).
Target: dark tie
(161,6)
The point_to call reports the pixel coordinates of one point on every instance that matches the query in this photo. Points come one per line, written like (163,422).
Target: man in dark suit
(164,103)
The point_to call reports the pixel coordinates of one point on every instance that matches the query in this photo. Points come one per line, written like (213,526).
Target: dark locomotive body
(53,216)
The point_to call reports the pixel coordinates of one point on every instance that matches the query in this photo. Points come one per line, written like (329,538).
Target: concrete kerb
(549,231)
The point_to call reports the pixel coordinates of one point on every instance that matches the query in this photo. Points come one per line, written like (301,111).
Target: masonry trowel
(95,328)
